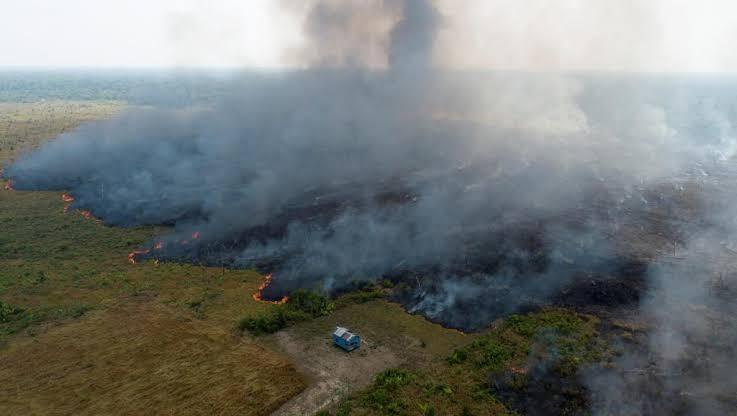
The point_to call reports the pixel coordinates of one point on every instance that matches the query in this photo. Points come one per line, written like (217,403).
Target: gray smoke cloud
(482,194)
(681,362)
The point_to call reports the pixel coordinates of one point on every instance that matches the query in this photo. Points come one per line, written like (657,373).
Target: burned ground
(594,257)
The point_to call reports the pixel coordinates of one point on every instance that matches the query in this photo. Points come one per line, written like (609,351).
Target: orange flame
(195,236)
(132,255)
(9,186)
(86,214)
(159,245)
(258,295)
(68,199)
(519,370)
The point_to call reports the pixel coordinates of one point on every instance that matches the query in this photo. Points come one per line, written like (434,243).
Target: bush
(361,296)
(272,321)
(384,396)
(8,312)
(303,305)
(457,357)
(394,378)
(311,303)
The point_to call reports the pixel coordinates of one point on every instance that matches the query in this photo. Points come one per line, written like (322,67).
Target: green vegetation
(303,305)
(9,313)
(382,397)
(55,264)
(569,339)
(361,296)
(459,384)
(65,283)
(14,319)
(150,337)
(139,88)
(26,126)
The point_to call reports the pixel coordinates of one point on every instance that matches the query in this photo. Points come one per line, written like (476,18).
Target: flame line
(258,294)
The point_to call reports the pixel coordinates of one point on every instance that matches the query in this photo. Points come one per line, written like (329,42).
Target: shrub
(427,410)
(311,303)
(466,411)
(303,305)
(457,357)
(383,397)
(8,312)
(394,378)
(272,321)
(361,296)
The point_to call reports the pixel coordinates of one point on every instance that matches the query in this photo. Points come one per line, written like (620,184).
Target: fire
(257,296)
(519,370)
(195,236)
(132,255)
(9,186)
(68,199)
(142,252)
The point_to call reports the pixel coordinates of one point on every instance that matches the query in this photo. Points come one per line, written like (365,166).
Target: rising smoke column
(487,193)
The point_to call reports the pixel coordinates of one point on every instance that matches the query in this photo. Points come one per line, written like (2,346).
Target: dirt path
(333,372)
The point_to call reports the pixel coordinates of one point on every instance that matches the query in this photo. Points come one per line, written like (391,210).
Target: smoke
(680,363)
(479,194)
(412,39)
(399,34)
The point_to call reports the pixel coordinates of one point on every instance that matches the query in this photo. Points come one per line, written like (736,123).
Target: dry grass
(141,357)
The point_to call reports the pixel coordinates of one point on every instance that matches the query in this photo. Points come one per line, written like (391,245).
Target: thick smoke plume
(479,194)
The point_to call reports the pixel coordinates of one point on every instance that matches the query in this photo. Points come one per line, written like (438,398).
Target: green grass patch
(383,396)
(564,338)
(53,261)
(460,383)
(364,295)
(303,305)
(14,319)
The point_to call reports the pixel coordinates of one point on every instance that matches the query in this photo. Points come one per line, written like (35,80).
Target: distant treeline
(140,87)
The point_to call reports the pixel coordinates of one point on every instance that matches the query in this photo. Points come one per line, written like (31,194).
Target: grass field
(68,293)
(83,331)
(140,357)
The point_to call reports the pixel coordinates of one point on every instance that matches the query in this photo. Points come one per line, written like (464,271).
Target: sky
(604,35)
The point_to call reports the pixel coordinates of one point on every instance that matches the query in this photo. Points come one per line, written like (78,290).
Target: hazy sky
(631,35)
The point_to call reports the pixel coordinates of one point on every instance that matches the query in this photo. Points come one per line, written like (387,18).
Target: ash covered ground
(477,194)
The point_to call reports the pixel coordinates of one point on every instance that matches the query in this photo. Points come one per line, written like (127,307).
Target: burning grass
(54,262)
(56,268)
(54,265)
(59,276)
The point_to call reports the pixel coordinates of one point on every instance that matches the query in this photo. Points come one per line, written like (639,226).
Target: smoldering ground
(327,176)
(482,194)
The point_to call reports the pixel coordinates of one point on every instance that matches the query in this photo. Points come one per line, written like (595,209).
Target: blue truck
(345,339)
